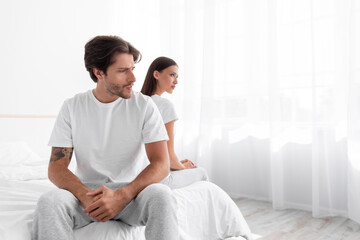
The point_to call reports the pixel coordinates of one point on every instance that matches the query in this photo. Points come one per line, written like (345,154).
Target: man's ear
(156,74)
(98,73)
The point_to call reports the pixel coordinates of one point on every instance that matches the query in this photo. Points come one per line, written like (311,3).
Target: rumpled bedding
(205,212)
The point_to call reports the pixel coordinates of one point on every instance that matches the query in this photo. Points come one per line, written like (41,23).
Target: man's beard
(118,90)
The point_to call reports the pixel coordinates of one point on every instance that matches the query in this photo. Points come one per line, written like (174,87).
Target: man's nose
(132,77)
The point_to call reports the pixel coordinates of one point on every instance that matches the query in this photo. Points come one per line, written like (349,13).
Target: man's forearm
(61,176)
(153,173)
(65,179)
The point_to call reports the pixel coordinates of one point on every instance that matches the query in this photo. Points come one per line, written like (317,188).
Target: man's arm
(62,177)
(112,202)
(157,170)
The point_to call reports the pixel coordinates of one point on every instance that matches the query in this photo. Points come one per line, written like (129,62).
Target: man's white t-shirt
(166,108)
(108,138)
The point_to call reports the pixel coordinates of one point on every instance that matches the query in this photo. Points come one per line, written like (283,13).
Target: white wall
(42,53)
(42,50)
(42,46)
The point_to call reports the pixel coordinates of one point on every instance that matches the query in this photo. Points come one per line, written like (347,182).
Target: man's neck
(104,97)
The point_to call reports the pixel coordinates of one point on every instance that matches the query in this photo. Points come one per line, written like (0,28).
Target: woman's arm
(175,164)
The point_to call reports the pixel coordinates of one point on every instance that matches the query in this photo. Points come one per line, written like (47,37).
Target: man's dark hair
(101,50)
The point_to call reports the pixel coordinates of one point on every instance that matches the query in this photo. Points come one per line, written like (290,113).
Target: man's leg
(155,207)
(183,178)
(58,212)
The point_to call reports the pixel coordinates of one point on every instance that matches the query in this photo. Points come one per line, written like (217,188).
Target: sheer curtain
(269,100)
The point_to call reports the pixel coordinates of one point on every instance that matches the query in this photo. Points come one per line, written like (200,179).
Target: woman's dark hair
(101,50)
(158,64)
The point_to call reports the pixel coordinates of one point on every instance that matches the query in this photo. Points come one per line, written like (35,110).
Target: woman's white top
(166,108)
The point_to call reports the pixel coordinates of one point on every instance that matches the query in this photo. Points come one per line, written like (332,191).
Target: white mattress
(204,211)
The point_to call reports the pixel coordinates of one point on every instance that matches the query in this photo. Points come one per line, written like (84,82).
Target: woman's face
(166,79)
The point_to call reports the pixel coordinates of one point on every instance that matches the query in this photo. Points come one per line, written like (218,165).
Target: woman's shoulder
(162,102)
(166,108)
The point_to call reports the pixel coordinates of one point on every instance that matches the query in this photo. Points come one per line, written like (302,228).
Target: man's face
(119,78)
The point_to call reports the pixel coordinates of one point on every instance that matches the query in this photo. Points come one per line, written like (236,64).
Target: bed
(205,211)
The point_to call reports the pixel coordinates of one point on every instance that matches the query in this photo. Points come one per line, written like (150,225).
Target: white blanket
(204,210)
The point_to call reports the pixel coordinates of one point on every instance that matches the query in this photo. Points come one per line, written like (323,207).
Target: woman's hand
(187,164)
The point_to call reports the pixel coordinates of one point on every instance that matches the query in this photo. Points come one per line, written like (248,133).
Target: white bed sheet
(204,210)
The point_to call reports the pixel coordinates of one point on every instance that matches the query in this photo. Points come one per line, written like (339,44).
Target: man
(106,128)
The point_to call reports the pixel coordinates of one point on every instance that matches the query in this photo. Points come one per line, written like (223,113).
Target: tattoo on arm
(71,152)
(59,153)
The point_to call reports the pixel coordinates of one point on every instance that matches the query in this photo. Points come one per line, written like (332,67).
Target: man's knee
(58,199)
(159,195)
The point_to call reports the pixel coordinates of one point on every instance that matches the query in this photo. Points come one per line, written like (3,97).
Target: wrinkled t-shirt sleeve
(61,135)
(153,127)
(168,112)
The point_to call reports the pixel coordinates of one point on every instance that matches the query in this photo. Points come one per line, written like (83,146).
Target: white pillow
(15,153)
(24,172)
(19,162)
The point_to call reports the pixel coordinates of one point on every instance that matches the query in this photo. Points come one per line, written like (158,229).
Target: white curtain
(268,93)
(270,99)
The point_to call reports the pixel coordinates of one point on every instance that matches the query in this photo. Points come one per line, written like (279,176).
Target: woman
(162,77)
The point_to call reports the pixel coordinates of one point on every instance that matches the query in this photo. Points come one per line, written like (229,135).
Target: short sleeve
(61,135)
(153,127)
(168,112)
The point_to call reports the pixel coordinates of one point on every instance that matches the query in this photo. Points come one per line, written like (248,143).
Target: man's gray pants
(59,212)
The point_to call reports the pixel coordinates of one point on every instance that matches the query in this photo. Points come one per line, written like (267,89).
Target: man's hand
(86,200)
(187,163)
(108,205)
